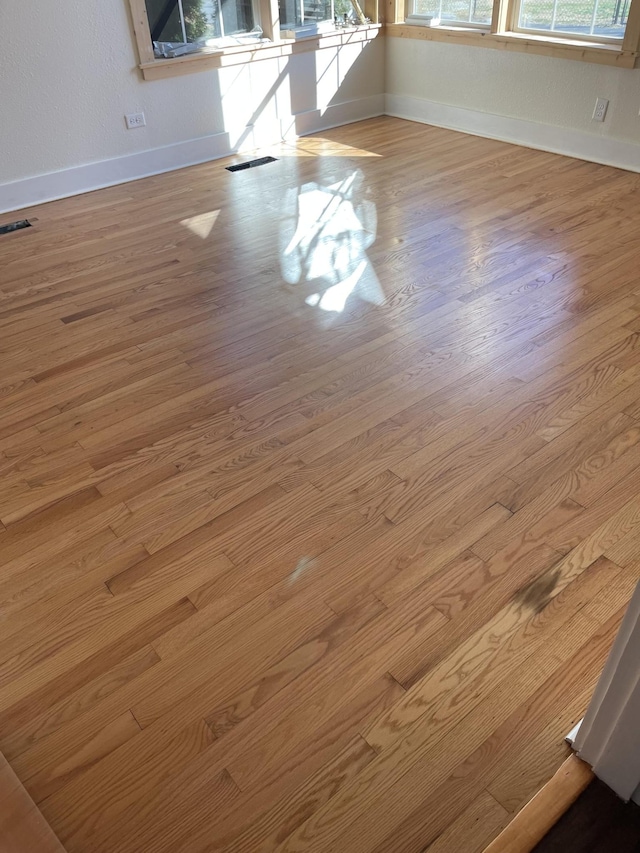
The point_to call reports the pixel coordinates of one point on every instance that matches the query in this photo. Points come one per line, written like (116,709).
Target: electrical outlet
(600,109)
(135,120)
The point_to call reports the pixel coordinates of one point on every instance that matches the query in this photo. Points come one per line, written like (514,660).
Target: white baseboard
(335,115)
(558,140)
(92,176)
(570,738)
(106,173)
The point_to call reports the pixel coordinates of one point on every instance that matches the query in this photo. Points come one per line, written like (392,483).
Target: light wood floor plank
(304,544)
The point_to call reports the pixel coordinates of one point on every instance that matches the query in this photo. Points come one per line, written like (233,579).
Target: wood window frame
(155,69)
(501,35)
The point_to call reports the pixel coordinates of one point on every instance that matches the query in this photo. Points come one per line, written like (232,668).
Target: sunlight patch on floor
(201,225)
(324,237)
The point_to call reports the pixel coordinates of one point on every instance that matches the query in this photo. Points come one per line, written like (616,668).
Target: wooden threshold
(23,829)
(541,813)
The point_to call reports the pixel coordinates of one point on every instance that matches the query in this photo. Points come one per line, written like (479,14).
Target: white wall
(609,735)
(537,100)
(68,75)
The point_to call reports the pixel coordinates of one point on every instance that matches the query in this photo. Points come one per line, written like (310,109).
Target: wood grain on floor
(22,827)
(540,814)
(320,493)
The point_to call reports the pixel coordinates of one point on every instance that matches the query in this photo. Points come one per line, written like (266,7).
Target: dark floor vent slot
(250,164)
(15,226)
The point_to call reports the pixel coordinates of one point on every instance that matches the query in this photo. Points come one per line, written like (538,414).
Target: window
(462,12)
(602,31)
(176,23)
(171,29)
(603,20)
(300,13)
(181,36)
(312,16)
(586,19)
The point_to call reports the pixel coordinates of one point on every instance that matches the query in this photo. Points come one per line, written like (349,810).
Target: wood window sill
(161,68)
(604,54)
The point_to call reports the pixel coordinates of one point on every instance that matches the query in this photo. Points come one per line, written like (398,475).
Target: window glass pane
(164,20)
(317,10)
(237,16)
(345,7)
(581,17)
(290,14)
(201,19)
(296,13)
(456,11)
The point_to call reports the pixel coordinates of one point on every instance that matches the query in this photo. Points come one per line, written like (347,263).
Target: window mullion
(142,30)
(371,10)
(593,17)
(394,11)
(269,14)
(183,26)
(503,13)
(220,18)
(631,40)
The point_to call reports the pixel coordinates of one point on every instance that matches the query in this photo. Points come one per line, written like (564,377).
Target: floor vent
(15,226)
(250,164)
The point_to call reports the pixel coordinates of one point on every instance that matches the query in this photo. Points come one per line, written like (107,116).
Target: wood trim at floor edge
(546,808)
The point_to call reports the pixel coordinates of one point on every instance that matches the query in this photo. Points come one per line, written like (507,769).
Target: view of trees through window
(189,20)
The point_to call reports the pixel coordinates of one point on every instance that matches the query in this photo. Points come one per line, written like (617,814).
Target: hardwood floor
(539,816)
(22,827)
(320,492)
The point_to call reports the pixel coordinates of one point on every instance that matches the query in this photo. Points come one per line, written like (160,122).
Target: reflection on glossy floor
(320,492)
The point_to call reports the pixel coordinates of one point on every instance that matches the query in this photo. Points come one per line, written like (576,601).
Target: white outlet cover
(600,109)
(134,120)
